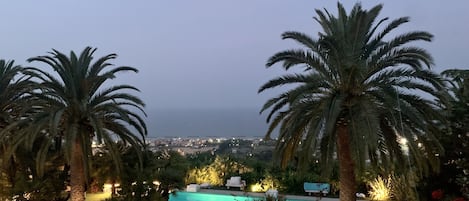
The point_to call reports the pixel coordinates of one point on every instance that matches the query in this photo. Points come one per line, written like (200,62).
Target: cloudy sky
(204,53)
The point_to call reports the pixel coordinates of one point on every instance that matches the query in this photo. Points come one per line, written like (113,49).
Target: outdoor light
(403,143)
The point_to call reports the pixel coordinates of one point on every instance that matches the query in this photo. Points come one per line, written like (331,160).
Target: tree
(75,108)
(15,84)
(105,171)
(137,177)
(356,97)
(455,164)
(26,184)
(216,173)
(19,163)
(171,170)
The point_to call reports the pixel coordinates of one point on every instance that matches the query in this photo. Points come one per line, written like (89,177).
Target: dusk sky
(205,53)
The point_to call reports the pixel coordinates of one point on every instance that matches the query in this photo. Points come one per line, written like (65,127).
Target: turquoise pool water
(198,196)
(191,196)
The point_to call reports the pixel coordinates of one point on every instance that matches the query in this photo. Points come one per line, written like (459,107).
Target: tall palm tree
(357,96)
(75,108)
(15,84)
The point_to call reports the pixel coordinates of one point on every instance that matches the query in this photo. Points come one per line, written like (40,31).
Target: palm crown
(75,105)
(14,87)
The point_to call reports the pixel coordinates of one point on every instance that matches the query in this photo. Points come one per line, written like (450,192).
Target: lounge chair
(235,182)
(322,188)
(193,188)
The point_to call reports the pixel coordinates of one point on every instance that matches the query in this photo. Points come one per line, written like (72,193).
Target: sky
(205,53)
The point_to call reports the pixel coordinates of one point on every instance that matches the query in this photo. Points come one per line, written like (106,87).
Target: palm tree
(455,140)
(26,182)
(15,84)
(104,170)
(357,96)
(75,108)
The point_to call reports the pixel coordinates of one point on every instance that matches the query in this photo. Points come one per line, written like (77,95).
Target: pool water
(198,196)
(192,196)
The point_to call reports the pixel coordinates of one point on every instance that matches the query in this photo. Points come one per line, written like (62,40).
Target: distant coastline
(168,123)
(149,138)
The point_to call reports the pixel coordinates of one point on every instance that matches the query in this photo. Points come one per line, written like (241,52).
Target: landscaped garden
(364,114)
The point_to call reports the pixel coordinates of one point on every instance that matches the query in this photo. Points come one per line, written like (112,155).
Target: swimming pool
(200,196)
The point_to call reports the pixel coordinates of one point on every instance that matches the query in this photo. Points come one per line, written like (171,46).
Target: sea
(239,122)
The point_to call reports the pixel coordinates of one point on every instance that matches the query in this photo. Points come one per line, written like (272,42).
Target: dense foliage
(453,179)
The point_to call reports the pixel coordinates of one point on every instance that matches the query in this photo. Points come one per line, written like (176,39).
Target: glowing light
(403,142)
(380,189)
(107,187)
(264,185)
(256,187)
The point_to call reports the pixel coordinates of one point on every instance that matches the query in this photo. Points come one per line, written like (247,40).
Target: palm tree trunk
(77,172)
(11,171)
(347,183)
(113,188)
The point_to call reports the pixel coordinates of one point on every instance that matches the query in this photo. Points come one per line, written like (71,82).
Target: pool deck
(242,193)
